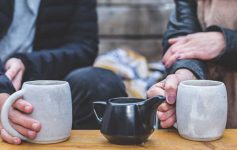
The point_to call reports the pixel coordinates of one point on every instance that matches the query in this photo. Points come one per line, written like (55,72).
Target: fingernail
(16,141)
(31,134)
(35,126)
(171,99)
(27,108)
(163,62)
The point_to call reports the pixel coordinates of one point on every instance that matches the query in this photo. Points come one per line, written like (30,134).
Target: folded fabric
(133,68)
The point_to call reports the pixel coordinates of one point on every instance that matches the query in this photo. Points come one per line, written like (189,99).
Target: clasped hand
(18,113)
(202,46)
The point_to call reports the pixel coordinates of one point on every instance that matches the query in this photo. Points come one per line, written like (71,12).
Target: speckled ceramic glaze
(201,109)
(52,107)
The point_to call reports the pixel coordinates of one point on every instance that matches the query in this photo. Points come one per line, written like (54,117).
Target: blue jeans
(88,85)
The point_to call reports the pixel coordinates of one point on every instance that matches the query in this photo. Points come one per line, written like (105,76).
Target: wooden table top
(160,140)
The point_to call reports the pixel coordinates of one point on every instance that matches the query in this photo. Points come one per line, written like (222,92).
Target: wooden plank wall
(135,24)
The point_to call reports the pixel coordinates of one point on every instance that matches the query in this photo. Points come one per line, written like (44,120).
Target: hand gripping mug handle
(4,114)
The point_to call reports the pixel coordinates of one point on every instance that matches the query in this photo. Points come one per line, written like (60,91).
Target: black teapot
(127,120)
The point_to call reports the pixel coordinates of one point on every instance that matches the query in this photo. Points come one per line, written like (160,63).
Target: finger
(192,55)
(166,56)
(24,121)
(17,80)
(9,139)
(157,89)
(165,107)
(23,106)
(25,132)
(171,55)
(165,115)
(169,122)
(171,88)
(176,47)
(171,60)
(178,39)
(1,127)
(12,72)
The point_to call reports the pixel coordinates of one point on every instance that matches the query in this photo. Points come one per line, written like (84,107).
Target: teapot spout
(154,102)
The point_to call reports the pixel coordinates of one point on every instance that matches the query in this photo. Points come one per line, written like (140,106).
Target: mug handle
(4,114)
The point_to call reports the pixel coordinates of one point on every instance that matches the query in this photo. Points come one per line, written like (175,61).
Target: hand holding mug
(168,88)
(19,119)
(52,108)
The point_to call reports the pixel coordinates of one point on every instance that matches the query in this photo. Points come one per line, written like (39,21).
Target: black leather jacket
(184,21)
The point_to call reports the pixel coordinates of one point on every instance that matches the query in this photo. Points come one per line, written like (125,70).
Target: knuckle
(170,76)
(172,120)
(197,55)
(19,104)
(188,37)
(151,92)
(165,107)
(170,87)
(172,50)
(148,93)
(12,115)
(22,130)
(11,73)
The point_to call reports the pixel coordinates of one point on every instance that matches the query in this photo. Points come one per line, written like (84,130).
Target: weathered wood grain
(160,140)
(134,24)
(126,20)
(150,48)
(153,2)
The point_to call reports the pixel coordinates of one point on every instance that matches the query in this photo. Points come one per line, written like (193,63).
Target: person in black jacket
(198,31)
(51,40)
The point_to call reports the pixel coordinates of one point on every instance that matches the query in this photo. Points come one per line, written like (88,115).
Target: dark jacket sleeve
(184,21)
(5,16)
(228,58)
(80,49)
(5,84)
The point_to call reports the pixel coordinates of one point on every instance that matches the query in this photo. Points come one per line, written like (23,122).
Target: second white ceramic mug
(201,109)
(52,107)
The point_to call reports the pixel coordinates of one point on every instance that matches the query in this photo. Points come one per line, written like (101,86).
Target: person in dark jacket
(199,31)
(52,40)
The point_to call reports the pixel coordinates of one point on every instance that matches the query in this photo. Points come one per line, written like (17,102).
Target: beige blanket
(222,13)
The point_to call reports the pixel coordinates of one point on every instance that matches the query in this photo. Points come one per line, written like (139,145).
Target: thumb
(171,86)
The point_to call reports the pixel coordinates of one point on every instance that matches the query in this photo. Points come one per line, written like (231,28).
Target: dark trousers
(89,85)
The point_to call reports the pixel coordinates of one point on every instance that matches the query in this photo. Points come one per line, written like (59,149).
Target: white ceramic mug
(52,108)
(201,109)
